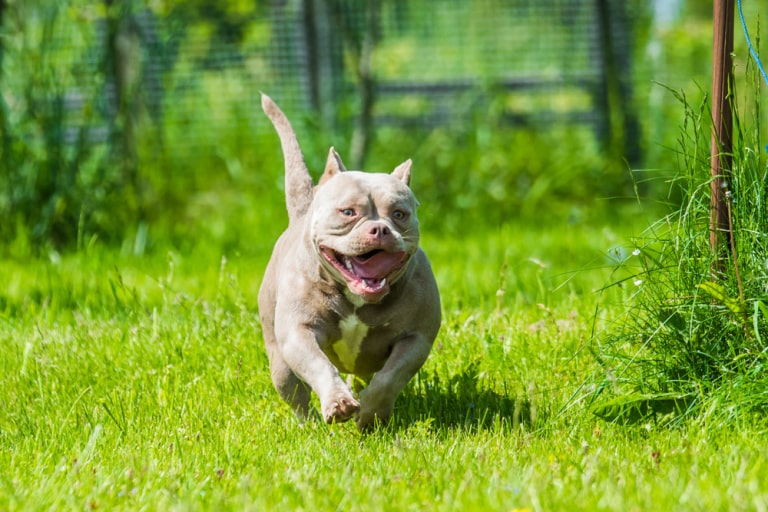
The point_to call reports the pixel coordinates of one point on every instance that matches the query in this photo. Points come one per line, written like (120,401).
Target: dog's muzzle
(367,275)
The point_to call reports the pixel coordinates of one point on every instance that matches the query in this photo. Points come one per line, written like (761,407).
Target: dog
(347,289)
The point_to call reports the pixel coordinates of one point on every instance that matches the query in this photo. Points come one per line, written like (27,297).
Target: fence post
(363,132)
(122,69)
(325,65)
(3,119)
(722,130)
(619,128)
(2,18)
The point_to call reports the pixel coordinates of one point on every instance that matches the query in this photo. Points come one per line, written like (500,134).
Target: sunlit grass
(141,382)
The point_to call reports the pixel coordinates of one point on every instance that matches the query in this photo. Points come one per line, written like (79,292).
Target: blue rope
(752,49)
(749,44)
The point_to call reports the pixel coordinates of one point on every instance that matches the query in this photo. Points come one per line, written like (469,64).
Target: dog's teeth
(374,283)
(348,264)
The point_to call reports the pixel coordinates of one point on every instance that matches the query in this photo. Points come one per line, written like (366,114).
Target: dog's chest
(347,349)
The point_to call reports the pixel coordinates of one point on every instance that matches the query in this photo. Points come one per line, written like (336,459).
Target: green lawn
(141,383)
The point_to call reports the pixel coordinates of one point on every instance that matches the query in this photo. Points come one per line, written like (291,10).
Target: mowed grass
(133,382)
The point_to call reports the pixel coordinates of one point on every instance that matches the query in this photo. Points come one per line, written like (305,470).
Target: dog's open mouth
(369,274)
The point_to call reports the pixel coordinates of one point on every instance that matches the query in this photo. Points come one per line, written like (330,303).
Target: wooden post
(619,128)
(363,132)
(5,145)
(325,64)
(722,129)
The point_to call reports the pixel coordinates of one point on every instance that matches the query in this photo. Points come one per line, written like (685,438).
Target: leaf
(763,308)
(673,319)
(719,293)
(759,308)
(635,408)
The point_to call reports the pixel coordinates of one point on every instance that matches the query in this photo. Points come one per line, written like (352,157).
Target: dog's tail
(298,182)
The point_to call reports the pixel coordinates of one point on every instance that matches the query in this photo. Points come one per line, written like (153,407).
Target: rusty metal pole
(722,129)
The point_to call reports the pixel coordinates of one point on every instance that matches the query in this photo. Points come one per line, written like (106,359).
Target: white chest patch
(356,300)
(353,333)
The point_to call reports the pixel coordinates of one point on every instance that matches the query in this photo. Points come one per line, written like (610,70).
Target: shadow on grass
(464,401)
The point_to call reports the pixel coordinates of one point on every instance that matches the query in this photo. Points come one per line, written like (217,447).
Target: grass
(140,382)
(692,340)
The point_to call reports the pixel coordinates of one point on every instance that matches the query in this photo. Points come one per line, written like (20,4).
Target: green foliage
(95,147)
(482,172)
(48,163)
(695,330)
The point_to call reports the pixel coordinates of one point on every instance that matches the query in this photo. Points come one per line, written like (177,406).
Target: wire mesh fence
(92,91)
(548,58)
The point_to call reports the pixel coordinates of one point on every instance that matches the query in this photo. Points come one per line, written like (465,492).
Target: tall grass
(694,340)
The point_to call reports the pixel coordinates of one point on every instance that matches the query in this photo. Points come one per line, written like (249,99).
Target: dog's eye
(347,212)
(399,214)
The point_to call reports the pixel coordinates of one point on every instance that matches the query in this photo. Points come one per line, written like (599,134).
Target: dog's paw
(376,408)
(367,421)
(340,409)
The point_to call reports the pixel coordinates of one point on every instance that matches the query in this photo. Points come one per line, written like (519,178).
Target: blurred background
(131,122)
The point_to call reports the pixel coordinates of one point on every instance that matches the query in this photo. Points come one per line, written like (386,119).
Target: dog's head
(364,227)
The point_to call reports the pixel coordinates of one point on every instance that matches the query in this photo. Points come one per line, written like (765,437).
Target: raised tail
(298,182)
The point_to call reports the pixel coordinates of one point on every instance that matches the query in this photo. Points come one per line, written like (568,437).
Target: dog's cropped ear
(333,166)
(403,172)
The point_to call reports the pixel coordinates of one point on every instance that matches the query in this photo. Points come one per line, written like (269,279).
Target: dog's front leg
(303,355)
(378,399)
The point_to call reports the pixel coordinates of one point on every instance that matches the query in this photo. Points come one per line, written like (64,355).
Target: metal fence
(395,62)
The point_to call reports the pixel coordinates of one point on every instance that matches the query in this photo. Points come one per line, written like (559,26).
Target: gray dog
(347,288)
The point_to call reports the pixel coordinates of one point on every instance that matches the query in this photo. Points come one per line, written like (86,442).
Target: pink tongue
(377,266)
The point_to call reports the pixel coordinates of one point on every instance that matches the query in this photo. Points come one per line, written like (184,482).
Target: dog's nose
(379,230)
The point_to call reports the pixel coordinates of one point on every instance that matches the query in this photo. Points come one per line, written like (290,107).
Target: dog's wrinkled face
(365,231)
